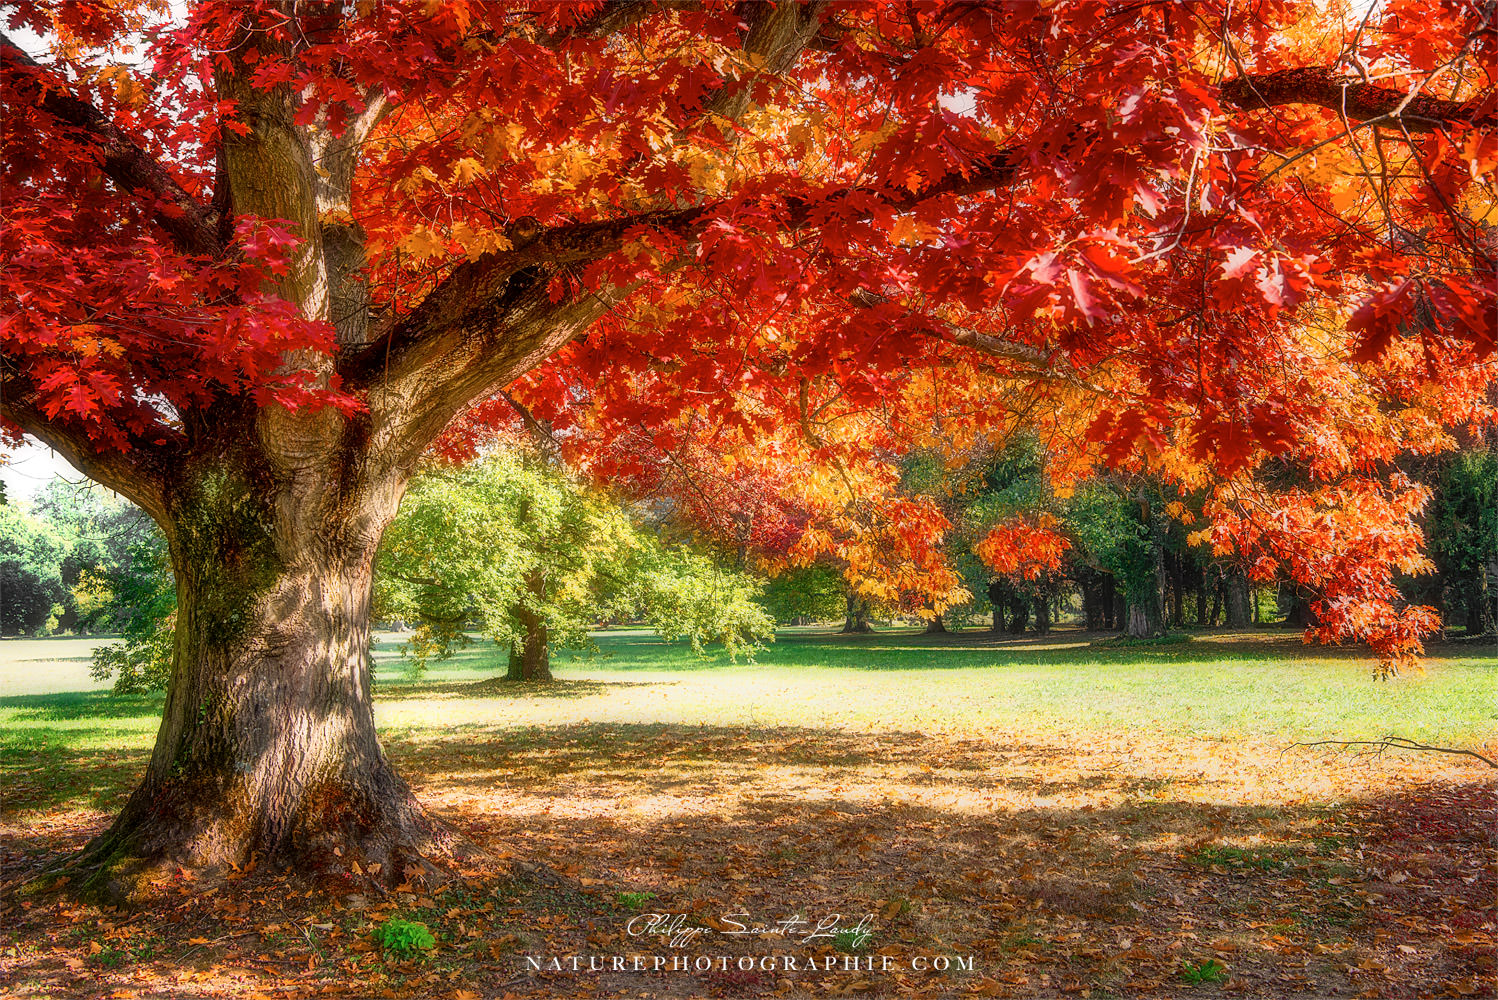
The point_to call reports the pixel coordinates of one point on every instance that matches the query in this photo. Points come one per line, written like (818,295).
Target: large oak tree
(249,281)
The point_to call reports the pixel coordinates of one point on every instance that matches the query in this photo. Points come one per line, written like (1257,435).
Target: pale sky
(26,470)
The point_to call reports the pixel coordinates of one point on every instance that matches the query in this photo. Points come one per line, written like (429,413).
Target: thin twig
(1397,743)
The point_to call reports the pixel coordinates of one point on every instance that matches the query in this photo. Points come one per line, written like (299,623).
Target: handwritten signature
(681,929)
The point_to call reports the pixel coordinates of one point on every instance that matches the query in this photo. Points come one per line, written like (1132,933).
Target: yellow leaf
(420,243)
(467,170)
(416,178)
(477,242)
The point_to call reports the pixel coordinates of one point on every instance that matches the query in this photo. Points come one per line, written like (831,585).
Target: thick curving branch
(1360,102)
(474,288)
(192,225)
(140,474)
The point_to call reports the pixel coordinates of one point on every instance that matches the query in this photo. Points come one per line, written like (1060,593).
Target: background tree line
(516,548)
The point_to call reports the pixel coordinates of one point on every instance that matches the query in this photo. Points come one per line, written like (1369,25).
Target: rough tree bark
(530,659)
(857,620)
(267,744)
(936,626)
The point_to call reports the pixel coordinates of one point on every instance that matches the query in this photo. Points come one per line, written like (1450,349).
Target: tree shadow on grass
(65,706)
(40,772)
(668,758)
(1303,898)
(1069,644)
(1116,890)
(500,687)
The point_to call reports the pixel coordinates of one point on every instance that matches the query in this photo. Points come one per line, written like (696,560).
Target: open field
(1081,819)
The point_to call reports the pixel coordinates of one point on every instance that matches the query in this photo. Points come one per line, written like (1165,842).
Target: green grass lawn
(1265,686)
(1220,686)
(1037,802)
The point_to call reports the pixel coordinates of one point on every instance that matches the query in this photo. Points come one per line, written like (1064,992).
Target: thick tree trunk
(530,659)
(1042,616)
(1238,614)
(936,626)
(267,747)
(857,621)
(1019,615)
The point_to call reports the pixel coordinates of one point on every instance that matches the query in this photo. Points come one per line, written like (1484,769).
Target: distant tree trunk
(857,621)
(1093,604)
(1042,616)
(1147,616)
(1201,596)
(1019,614)
(936,626)
(1111,617)
(1147,601)
(1237,610)
(530,659)
(1490,581)
(1178,591)
(996,598)
(1300,612)
(1476,605)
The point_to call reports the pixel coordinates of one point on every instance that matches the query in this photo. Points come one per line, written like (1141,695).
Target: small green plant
(850,939)
(110,957)
(1238,857)
(634,900)
(1210,971)
(1130,642)
(405,938)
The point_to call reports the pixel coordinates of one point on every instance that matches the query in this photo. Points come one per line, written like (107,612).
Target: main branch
(1360,102)
(139,473)
(192,225)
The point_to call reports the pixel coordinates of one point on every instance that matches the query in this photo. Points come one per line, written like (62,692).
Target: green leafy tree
(115,575)
(516,547)
(805,594)
(1462,526)
(31,590)
(1122,534)
(115,567)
